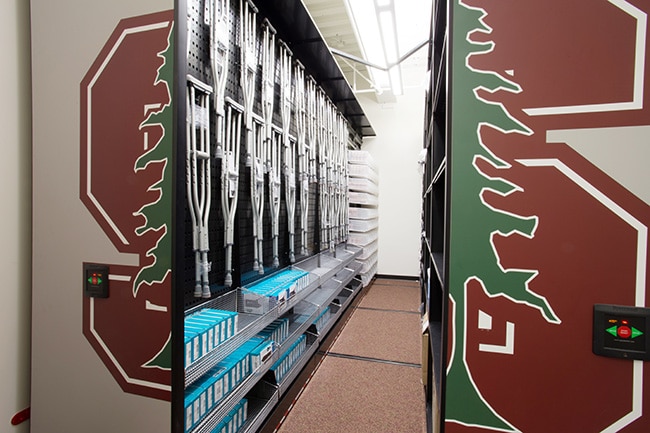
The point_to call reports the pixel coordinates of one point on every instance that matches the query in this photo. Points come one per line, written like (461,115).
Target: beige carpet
(396,296)
(347,395)
(370,380)
(388,335)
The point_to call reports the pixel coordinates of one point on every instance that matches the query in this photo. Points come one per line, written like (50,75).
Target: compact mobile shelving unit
(434,215)
(144,149)
(330,263)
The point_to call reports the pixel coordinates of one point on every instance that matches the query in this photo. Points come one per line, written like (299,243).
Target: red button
(624,331)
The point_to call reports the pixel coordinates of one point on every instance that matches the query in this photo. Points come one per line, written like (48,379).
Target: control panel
(95,281)
(621,331)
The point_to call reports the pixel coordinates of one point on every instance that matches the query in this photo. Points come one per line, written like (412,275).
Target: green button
(636,332)
(613,330)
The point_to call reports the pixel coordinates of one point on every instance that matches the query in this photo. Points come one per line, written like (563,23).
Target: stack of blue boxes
(261,297)
(277,331)
(322,319)
(272,336)
(206,393)
(235,419)
(206,330)
(283,365)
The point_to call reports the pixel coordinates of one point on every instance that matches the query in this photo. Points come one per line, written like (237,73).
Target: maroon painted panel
(535,375)
(125,160)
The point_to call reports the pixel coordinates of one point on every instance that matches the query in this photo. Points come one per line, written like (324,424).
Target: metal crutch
(303,162)
(344,177)
(230,179)
(312,128)
(334,192)
(311,144)
(217,17)
(266,138)
(275,185)
(198,178)
(334,184)
(288,144)
(248,45)
(268,78)
(257,185)
(322,169)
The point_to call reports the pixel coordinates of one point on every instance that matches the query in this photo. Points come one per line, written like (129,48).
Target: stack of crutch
(300,102)
(316,154)
(199,178)
(198,138)
(255,137)
(344,223)
(228,118)
(323,192)
(335,181)
(340,203)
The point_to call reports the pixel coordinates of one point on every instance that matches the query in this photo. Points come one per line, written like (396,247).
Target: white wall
(399,127)
(15,217)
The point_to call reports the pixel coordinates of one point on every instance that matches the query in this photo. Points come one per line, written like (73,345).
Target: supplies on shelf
(235,419)
(362,171)
(322,319)
(265,295)
(271,337)
(363,198)
(262,352)
(284,364)
(363,225)
(364,216)
(363,213)
(364,239)
(363,185)
(362,157)
(277,331)
(205,394)
(205,330)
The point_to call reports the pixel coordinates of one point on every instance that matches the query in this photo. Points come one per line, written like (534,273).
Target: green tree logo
(158,214)
(473,223)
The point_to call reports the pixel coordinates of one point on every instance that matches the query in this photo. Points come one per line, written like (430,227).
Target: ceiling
(332,19)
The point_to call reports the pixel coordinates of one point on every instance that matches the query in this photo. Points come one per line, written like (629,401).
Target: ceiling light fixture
(373,37)
(375,27)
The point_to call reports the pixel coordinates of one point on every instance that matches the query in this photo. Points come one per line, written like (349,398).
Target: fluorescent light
(395,75)
(387,26)
(375,28)
(367,30)
(386,18)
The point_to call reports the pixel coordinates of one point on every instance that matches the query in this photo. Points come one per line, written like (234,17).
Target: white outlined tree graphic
(473,223)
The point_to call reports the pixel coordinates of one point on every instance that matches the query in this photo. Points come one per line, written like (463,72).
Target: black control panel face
(621,331)
(95,281)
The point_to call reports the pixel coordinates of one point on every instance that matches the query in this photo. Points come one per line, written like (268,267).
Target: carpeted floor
(370,379)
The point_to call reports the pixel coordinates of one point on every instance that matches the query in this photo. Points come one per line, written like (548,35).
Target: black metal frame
(435,211)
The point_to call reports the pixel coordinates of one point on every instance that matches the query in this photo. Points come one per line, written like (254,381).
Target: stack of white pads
(363,186)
